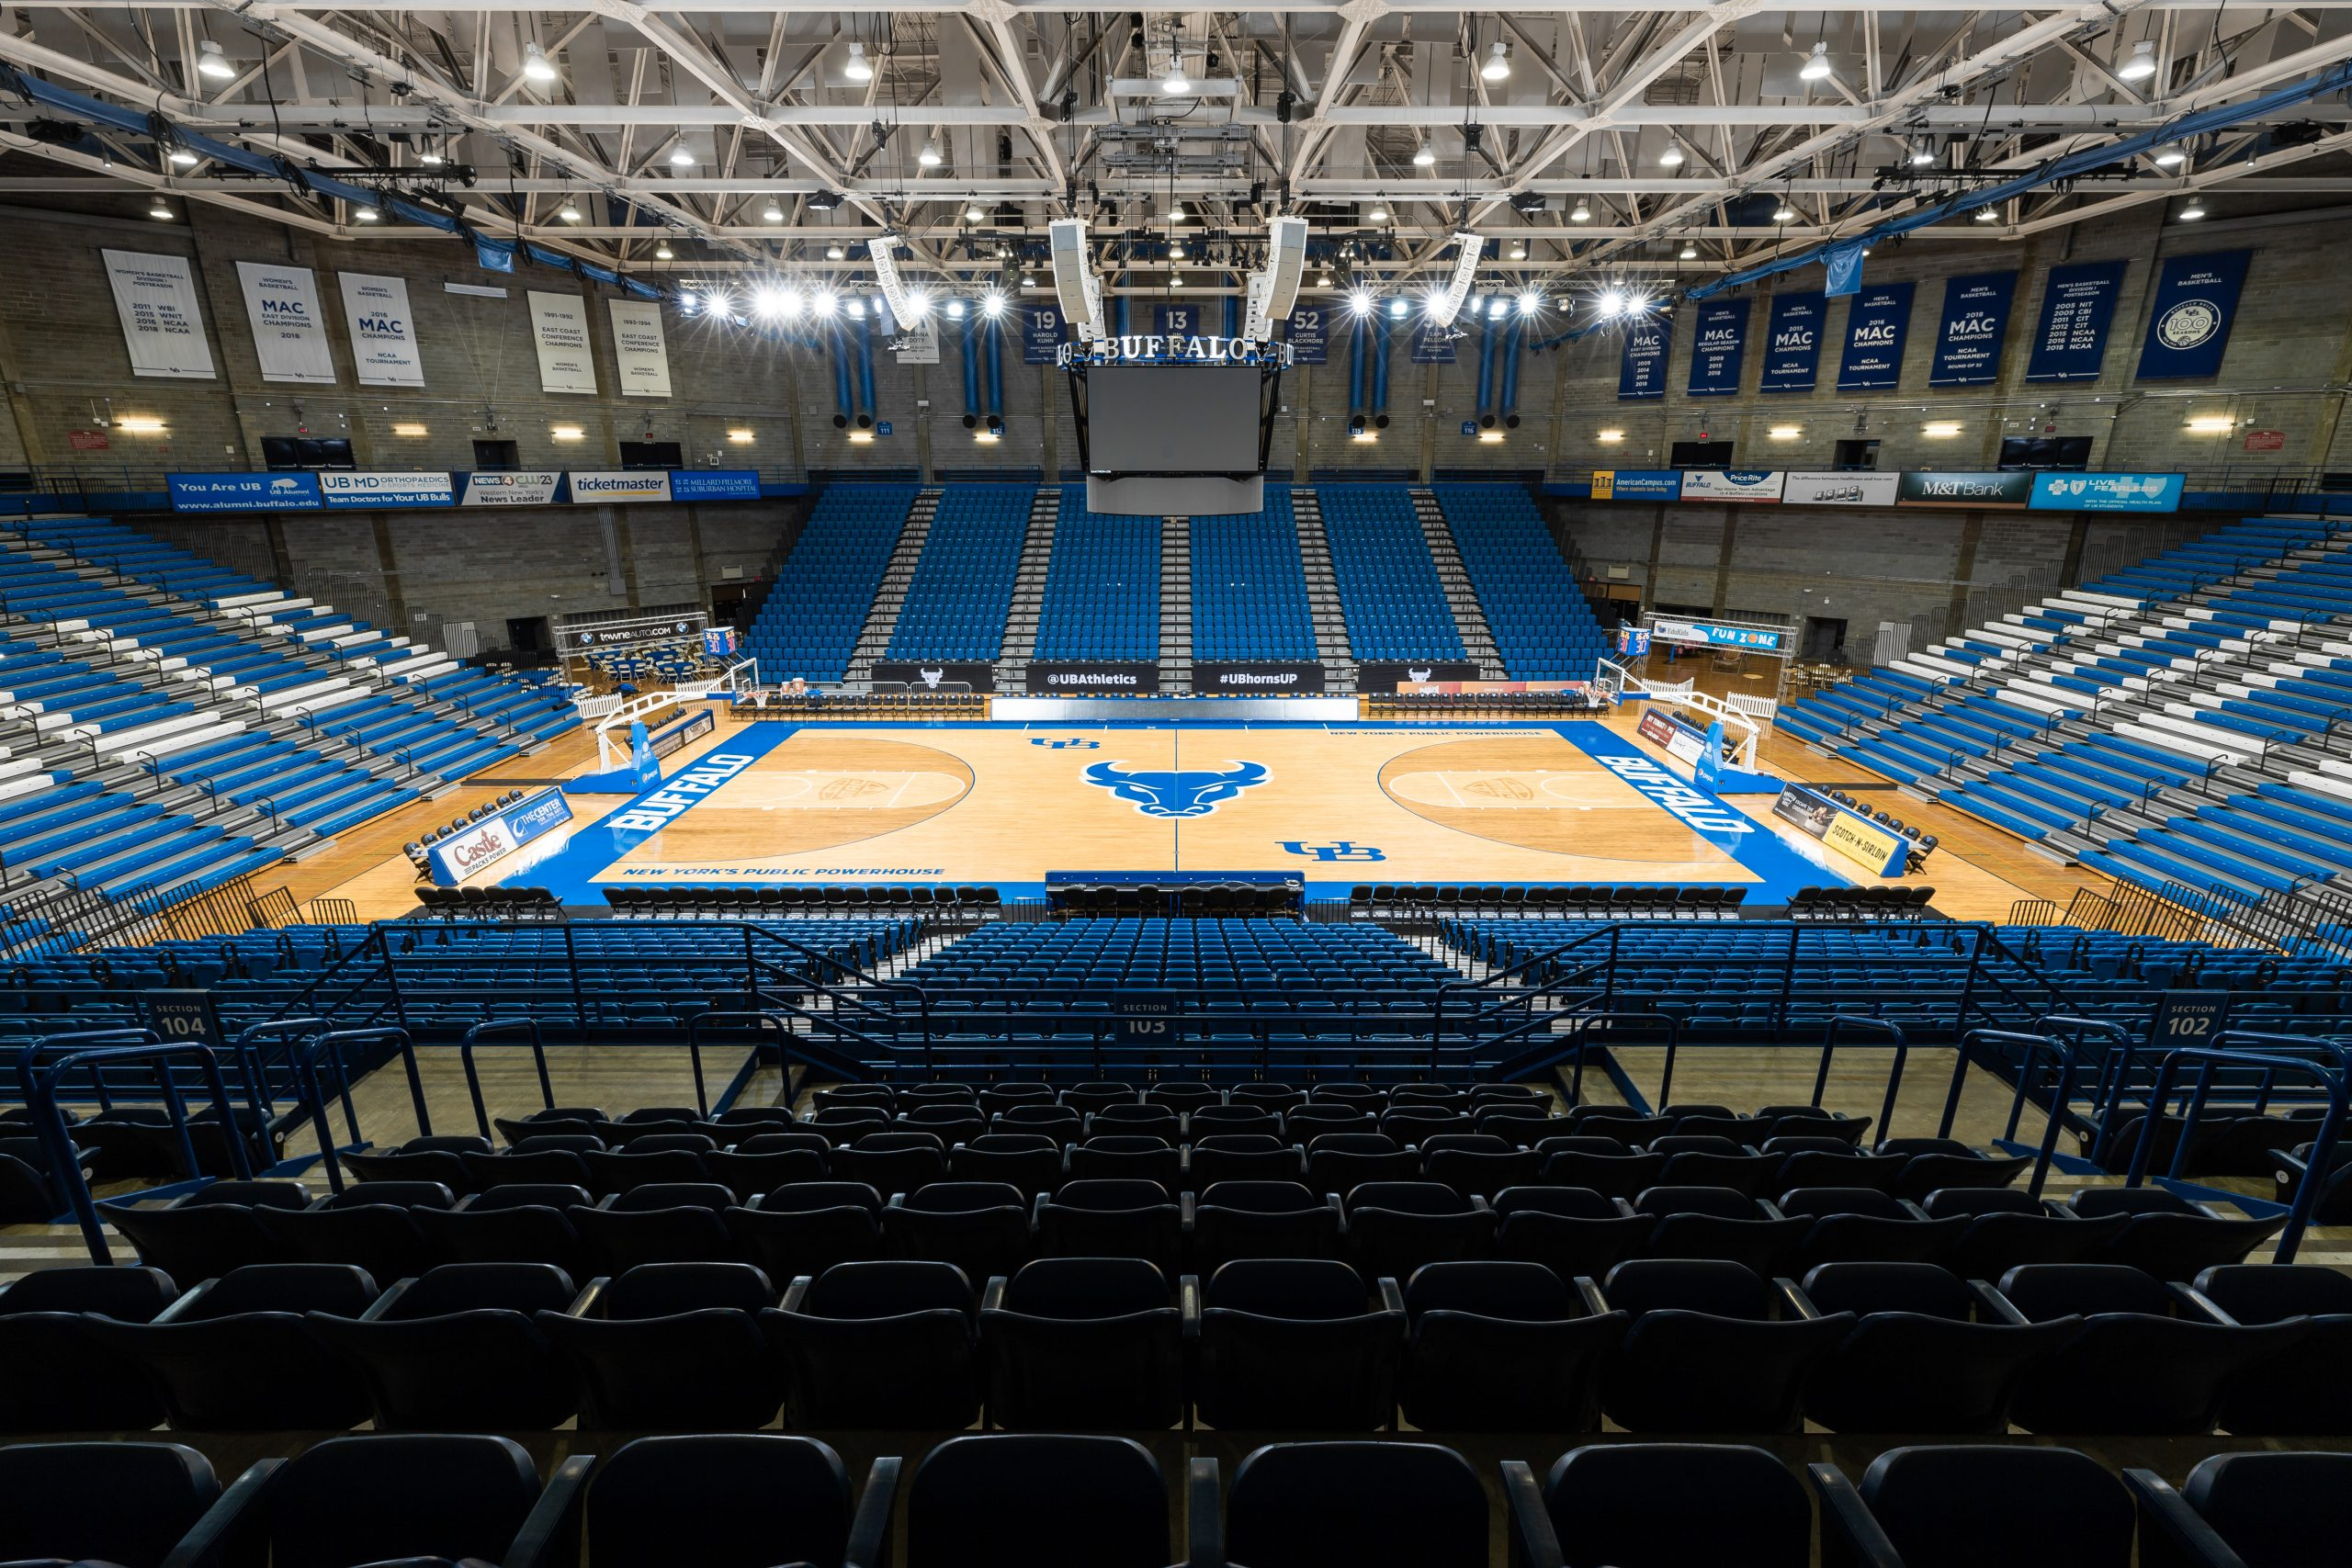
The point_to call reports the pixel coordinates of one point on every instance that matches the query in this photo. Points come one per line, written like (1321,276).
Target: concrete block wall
(65,369)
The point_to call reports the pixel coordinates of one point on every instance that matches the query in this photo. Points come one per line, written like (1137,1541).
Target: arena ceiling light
(662,252)
(1175,84)
(1816,65)
(974,213)
(160,209)
(858,69)
(1530,302)
(1582,212)
(1424,156)
(210,63)
(1519,250)
(536,66)
(955,310)
(1784,213)
(834,252)
(2172,158)
(2143,63)
(1379,213)
(1672,157)
(1923,152)
(1497,66)
(1690,252)
(1360,301)
(772,213)
(992,303)
(183,159)
(929,157)
(680,155)
(2193,211)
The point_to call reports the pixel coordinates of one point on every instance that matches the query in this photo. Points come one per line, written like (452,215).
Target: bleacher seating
(955,604)
(1543,627)
(1389,587)
(1101,587)
(2171,724)
(808,626)
(1249,592)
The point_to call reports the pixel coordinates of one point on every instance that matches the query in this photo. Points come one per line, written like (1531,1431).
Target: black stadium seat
(882,1344)
(459,1349)
(1087,1344)
(62,1380)
(2261,1510)
(671,1346)
(1660,1505)
(735,1501)
(1022,1501)
(1366,1505)
(1290,1343)
(1502,1347)
(1967,1506)
(235,1355)
(119,1502)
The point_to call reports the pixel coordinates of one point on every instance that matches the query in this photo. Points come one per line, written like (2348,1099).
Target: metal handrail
(2336,1081)
(39,1084)
(2035,1045)
(473,1079)
(1880,1026)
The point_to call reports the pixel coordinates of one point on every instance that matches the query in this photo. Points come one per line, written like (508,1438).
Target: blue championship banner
(1877,322)
(2188,324)
(1718,347)
(2077,303)
(1968,337)
(1792,341)
(1641,368)
(1432,344)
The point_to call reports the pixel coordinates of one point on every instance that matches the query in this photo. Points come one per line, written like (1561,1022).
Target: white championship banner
(162,325)
(383,332)
(291,340)
(638,348)
(559,328)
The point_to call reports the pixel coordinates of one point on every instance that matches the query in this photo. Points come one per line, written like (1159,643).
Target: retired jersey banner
(1310,334)
(560,329)
(1877,324)
(1718,347)
(383,333)
(1641,368)
(291,340)
(1041,333)
(1968,334)
(162,325)
(644,358)
(1792,341)
(2188,324)
(2077,303)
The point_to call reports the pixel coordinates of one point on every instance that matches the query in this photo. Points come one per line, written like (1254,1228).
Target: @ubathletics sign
(1173,348)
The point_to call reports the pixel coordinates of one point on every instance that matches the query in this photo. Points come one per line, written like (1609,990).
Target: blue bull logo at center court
(1188,793)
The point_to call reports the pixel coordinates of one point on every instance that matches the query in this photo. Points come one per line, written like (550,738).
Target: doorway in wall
(1855,457)
(528,634)
(1825,639)
(494,454)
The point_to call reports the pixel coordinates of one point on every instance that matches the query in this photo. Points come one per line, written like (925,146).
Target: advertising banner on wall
(289,339)
(1974,318)
(244,492)
(383,333)
(1839,490)
(511,487)
(2077,303)
(2188,323)
(162,325)
(1041,333)
(1388,675)
(1310,335)
(2106,493)
(1641,368)
(1877,324)
(643,358)
(1278,679)
(343,488)
(1636,484)
(1731,484)
(1792,341)
(1094,678)
(1714,633)
(936,674)
(1718,347)
(560,329)
(1995,489)
(628,484)
(715,484)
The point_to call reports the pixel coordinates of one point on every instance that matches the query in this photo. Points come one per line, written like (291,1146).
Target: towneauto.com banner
(2188,324)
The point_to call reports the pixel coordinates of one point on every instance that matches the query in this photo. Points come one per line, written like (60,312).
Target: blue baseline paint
(571,873)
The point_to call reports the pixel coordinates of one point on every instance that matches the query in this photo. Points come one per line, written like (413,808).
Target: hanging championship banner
(1718,349)
(2077,303)
(917,344)
(1792,341)
(1041,333)
(642,356)
(559,328)
(1177,321)
(1968,337)
(383,333)
(2188,325)
(163,326)
(1877,324)
(282,303)
(1641,369)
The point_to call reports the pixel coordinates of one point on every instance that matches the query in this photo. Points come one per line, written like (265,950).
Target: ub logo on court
(1192,791)
(1343,850)
(1065,745)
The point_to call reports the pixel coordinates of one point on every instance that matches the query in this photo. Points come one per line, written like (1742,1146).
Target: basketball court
(776,803)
